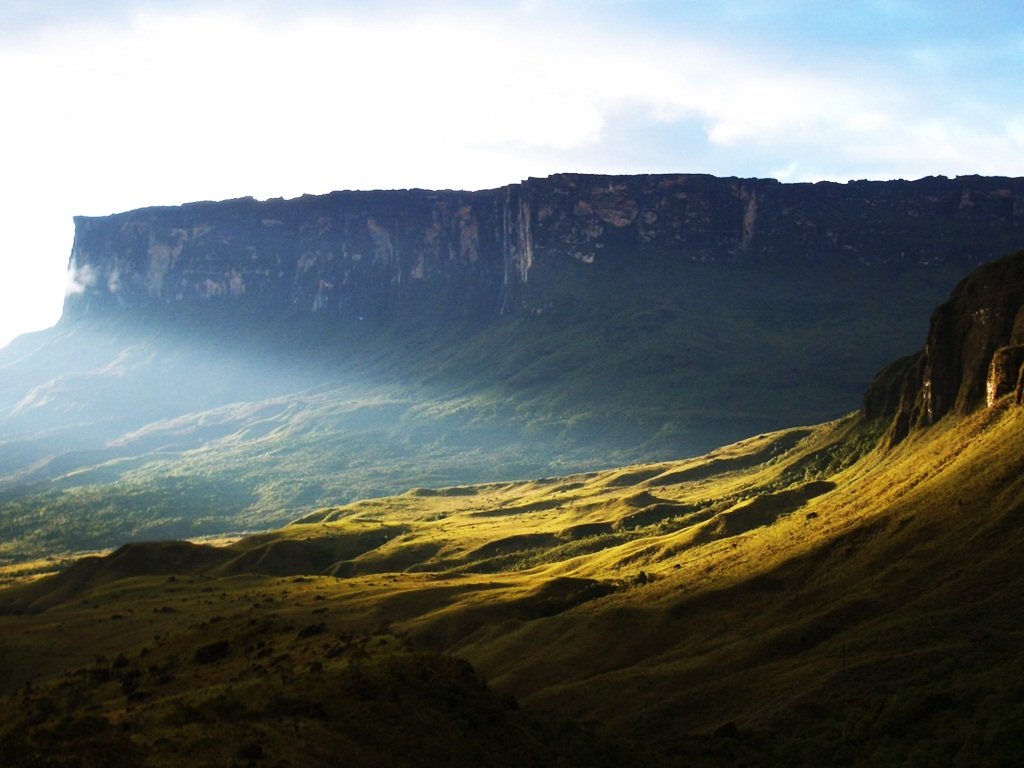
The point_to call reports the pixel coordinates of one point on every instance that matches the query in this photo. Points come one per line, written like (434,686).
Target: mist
(129,426)
(121,431)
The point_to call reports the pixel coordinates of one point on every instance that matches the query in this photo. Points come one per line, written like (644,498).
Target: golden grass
(776,576)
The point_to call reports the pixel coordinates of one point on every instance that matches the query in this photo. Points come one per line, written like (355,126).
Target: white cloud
(79,279)
(166,107)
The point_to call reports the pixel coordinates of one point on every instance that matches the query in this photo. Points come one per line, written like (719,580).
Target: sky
(113,105)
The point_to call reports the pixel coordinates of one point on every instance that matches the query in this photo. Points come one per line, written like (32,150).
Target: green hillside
(802,597)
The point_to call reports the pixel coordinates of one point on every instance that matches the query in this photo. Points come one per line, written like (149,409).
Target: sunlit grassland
(887,594)
(831,598)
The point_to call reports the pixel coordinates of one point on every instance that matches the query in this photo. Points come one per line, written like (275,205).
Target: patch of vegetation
(374,698)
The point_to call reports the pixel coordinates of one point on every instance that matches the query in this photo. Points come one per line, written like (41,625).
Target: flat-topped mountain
(226,366)
(522,247)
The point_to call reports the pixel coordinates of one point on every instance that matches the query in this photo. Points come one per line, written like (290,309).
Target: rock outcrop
(474,254)
(973,355)
(1004,374)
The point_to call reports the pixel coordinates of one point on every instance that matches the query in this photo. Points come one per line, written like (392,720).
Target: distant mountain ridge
(444,254)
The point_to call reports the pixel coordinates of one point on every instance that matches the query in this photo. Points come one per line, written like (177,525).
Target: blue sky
(115,105)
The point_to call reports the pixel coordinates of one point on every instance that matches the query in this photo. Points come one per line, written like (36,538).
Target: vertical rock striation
(439,254)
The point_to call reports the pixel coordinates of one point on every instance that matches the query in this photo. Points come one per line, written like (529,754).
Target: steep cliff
(443,254)
(973,356)
(225,366)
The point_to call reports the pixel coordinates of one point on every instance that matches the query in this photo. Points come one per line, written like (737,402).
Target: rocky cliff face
(473,254)
(974,354)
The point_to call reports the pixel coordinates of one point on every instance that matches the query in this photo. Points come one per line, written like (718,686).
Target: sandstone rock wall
(474,254)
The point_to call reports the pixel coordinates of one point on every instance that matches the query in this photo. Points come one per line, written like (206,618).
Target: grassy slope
(883,613)
(187,437)
(807,606)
